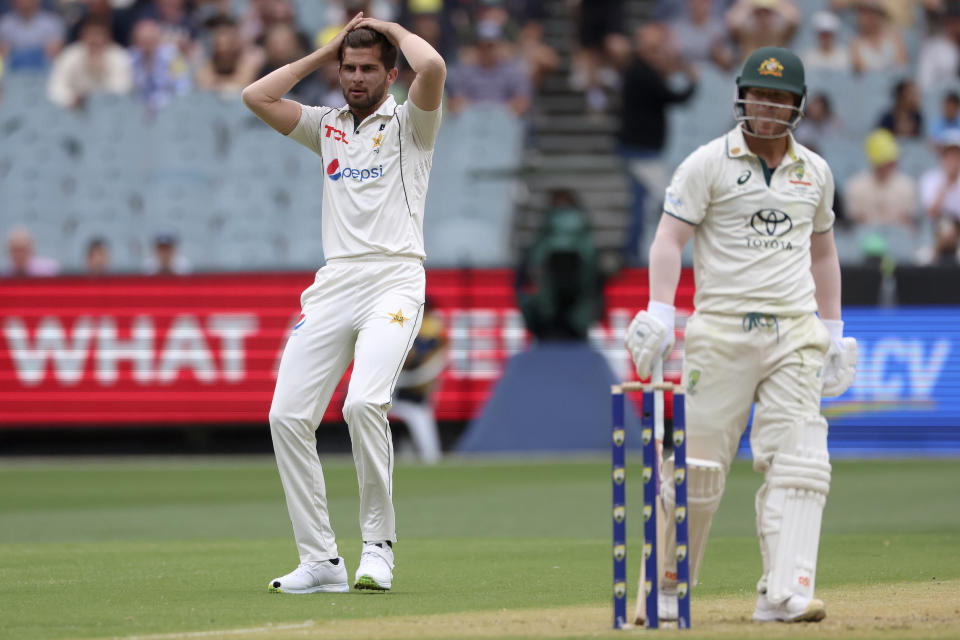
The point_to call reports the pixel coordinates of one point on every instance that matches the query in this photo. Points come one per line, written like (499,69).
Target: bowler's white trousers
(365,310)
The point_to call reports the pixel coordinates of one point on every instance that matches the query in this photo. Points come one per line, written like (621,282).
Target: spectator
(604,50)
(491,78)
(283,45)
(762,23)
(30,37)
(159,71)
(669,10)
(940,195)
(827,55)
(949,117)
(819,123)
(166,260)
(646,96)
(93,64)
(904,120)
(22,263)
(98,257)
(231,66)
(878,45)
(939,60)
(540,58)
(418,379)
(702,37)
(119,20)
(901,12)
(208,14)
(882,194)
(175,25)
(261,15)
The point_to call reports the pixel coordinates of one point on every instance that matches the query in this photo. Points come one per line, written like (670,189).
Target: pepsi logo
(333,170)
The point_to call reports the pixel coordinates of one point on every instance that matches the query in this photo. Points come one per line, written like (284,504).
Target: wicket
(651,490)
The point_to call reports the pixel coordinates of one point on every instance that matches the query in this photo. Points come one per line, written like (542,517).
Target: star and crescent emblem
(398,317)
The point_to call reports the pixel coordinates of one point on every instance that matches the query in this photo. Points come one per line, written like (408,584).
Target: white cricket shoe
(313,577)
(667,609)
(796,608)
(376,567)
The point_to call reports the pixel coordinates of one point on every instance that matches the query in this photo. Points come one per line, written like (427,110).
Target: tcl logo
(336,134)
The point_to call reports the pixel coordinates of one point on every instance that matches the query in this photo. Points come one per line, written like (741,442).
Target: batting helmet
(771,68)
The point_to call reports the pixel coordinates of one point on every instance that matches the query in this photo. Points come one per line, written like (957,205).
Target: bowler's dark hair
(367,38)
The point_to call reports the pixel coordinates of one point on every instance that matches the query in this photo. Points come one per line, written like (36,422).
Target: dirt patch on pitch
(905,610)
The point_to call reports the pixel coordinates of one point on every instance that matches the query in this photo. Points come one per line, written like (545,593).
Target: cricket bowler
(766,331)
(365,304)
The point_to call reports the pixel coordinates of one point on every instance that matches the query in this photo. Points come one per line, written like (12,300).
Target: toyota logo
(771,222)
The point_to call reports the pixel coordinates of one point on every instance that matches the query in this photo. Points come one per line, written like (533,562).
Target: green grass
(98,549)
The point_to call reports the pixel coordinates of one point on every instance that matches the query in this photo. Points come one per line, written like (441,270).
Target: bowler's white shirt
(752,241)
(374,176)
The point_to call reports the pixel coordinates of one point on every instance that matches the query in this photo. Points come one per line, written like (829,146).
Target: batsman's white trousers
(731,362)
(776,362)
(363,310)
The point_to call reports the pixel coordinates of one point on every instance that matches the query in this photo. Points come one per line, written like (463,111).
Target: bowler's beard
(373,96)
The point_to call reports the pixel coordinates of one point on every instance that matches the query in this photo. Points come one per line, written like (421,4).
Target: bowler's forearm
(419,54)
(276,84)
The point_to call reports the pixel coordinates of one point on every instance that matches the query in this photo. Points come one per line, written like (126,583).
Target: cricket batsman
(766,331)
(365,304)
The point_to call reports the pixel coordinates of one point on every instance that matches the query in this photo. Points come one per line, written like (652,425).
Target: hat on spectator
(881,148)
(824,21)
(425,6)
(488,30)
(875,5)
(949,138)
(165,239)
(765,4)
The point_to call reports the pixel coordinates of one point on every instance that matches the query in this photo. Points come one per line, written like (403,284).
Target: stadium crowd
(896,172)
(897,168)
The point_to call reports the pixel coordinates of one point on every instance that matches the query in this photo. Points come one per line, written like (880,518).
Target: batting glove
(650,336)
(840,365)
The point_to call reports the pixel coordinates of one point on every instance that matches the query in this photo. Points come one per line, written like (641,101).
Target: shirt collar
(386,109)
(737,145)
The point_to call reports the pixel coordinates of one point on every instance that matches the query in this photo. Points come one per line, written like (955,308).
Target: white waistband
(377,257)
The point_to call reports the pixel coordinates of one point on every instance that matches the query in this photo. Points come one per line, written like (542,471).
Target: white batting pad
(789,512)
(705,484)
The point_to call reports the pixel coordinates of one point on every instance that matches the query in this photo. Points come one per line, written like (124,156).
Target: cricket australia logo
(620,590)
(619,475)
(771,67)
